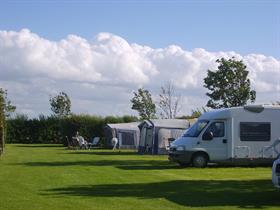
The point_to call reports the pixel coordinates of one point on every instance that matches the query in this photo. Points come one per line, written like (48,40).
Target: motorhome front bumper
(182,157)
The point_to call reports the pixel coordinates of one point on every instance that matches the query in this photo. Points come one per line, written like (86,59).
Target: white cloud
(101,75)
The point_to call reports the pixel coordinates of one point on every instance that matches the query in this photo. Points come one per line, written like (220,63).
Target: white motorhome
(242,135)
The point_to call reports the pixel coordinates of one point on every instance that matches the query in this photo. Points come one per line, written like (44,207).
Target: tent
(156,135)
(128,135)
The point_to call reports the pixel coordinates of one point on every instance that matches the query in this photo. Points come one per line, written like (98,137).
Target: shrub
(51,129)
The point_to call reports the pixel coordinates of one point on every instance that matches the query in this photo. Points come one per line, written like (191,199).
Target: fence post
(2,143)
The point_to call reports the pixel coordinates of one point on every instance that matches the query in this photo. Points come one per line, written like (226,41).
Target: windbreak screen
(127,138)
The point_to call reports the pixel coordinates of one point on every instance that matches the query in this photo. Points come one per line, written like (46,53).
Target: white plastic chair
(114,142)
(82,142)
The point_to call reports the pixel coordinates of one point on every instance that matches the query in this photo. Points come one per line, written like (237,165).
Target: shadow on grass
(121,164)
(90,152)
(40,145)
(198,193)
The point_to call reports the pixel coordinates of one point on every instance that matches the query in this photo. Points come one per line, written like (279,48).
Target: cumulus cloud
(100,75)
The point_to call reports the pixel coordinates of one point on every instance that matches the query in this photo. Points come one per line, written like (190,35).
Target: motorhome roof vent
(254,108)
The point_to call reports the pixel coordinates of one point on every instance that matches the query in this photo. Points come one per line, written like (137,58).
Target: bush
(47,129)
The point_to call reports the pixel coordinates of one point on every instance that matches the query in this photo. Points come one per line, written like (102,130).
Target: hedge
(49,129)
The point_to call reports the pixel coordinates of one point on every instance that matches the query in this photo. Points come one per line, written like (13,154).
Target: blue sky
(241,26)
(99,52)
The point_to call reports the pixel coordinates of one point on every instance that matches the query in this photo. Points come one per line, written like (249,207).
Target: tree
(169,102)
(61,105)
(6,108)
(229,85)
(196,113)
(143,103)
(5,105)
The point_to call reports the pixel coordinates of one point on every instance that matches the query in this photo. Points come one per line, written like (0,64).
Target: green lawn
(52,177)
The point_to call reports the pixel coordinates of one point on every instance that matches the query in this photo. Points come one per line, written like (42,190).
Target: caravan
(242,135)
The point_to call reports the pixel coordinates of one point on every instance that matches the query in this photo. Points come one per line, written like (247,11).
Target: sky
(100,52)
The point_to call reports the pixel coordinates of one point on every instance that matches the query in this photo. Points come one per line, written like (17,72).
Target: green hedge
(54,130)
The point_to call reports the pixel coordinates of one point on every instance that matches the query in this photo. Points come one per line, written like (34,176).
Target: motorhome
(240,135)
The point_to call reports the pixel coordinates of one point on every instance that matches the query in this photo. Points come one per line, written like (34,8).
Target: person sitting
(82,142)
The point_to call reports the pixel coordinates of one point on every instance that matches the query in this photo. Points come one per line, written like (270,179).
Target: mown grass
(52,177)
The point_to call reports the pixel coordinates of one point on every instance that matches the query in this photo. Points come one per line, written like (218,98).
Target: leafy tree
(6,106)
(229,85)
(196,113)
(143,103)
(61,105)
(5,109)
(169,102)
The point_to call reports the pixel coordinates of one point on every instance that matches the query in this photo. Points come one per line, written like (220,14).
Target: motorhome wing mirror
(207,135)
(171,139)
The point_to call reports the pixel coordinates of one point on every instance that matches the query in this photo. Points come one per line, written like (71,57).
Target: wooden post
(2,144)
(2,122)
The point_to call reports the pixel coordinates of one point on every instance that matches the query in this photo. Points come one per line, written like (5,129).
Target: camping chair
(75,142)
(94,142)
(82,142)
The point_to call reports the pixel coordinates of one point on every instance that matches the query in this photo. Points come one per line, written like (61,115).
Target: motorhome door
(214,140)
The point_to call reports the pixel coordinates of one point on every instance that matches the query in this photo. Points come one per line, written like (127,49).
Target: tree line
(228,86)
(52,129)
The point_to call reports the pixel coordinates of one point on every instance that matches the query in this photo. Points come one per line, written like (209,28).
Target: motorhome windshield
(196,129)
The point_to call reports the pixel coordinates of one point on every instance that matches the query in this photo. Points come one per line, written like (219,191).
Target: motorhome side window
(255,131)
(217,129)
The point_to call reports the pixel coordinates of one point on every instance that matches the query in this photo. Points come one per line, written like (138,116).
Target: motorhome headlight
(180,148)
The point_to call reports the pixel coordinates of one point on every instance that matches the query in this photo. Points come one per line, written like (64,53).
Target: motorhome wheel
(200,160)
